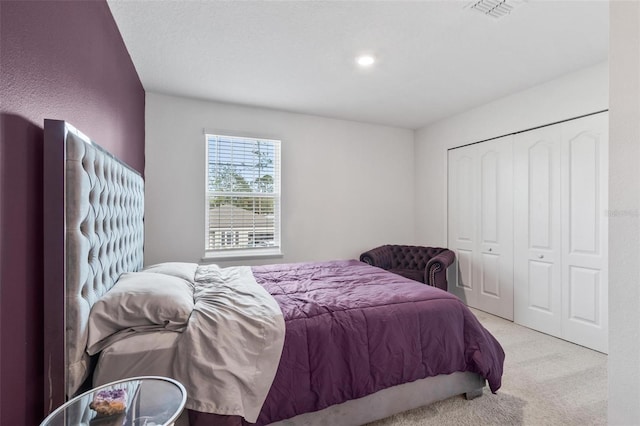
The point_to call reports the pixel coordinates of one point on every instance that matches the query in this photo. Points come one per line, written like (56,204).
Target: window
(243,196)
(230,238)
(260,239)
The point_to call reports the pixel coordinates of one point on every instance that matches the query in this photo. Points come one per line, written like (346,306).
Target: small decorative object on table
(109,402)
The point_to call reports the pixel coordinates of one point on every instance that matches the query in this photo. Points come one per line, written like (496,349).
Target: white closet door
(585,222)
(537,232)
(462,201)
(480,224)
(494,255)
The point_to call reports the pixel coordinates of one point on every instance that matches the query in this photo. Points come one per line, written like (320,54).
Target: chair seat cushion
(417,275)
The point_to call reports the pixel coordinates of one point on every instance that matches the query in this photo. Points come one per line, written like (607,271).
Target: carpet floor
(546,381)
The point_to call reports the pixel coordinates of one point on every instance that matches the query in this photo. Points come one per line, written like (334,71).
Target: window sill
(212,256)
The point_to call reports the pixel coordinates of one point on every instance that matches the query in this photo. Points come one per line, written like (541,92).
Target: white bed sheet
(226,357)
(144,354)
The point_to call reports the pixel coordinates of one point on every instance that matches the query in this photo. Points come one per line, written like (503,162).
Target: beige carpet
(546,381)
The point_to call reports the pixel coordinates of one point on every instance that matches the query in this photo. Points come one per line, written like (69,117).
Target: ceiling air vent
(494,8)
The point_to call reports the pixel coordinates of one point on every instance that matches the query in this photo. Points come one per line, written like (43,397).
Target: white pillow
(184,270)
(139,301)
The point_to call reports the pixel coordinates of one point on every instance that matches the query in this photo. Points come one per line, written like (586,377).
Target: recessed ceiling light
(365,60)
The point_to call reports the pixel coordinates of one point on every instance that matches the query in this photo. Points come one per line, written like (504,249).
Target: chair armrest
(436,270)
(379,256)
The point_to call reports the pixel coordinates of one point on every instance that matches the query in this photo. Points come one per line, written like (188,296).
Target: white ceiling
(435,58)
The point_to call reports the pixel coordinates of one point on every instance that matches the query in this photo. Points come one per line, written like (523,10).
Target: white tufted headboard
(93,232)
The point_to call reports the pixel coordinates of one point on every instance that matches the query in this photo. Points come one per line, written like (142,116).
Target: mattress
(144,354)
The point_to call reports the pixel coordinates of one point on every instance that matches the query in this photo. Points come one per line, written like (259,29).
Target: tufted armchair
(425,264)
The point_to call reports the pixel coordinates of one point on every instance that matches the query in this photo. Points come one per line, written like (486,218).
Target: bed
(94,236)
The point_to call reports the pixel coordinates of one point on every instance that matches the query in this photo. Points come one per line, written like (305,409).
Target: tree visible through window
(243,193)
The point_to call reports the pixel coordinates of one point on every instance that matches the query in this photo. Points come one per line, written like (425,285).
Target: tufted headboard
(93,232)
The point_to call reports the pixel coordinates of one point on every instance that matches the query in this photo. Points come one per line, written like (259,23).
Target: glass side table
(151,401)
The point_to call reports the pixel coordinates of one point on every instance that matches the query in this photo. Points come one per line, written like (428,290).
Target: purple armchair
(425,264)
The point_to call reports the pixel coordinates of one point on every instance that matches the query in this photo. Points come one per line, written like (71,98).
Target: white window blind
(243,195)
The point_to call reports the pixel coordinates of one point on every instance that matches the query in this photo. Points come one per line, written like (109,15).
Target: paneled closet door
(585,223)
(537,232)
(480,224)
(494,254)
(462,201)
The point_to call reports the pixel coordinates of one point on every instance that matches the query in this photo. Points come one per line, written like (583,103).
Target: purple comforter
(353,329)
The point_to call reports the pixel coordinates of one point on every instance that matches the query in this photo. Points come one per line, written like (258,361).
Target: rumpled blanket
(353,329)
(228,355)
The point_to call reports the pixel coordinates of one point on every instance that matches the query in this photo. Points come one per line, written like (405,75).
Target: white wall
(575,94)
(346,186)
(624,203)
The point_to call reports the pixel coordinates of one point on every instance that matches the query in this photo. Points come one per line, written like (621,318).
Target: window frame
(276,195)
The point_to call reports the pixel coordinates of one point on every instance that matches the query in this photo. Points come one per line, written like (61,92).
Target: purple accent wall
(62,60)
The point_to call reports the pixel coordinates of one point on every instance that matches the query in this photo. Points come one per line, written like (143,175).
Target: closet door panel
(541,162)
(540,296)
(585,245)
(583,199)
(537,235)
(584,290)
(489,275)
(465,269)
(489,259)
(462,195)
(489,181)
(495,250)
(465,195)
